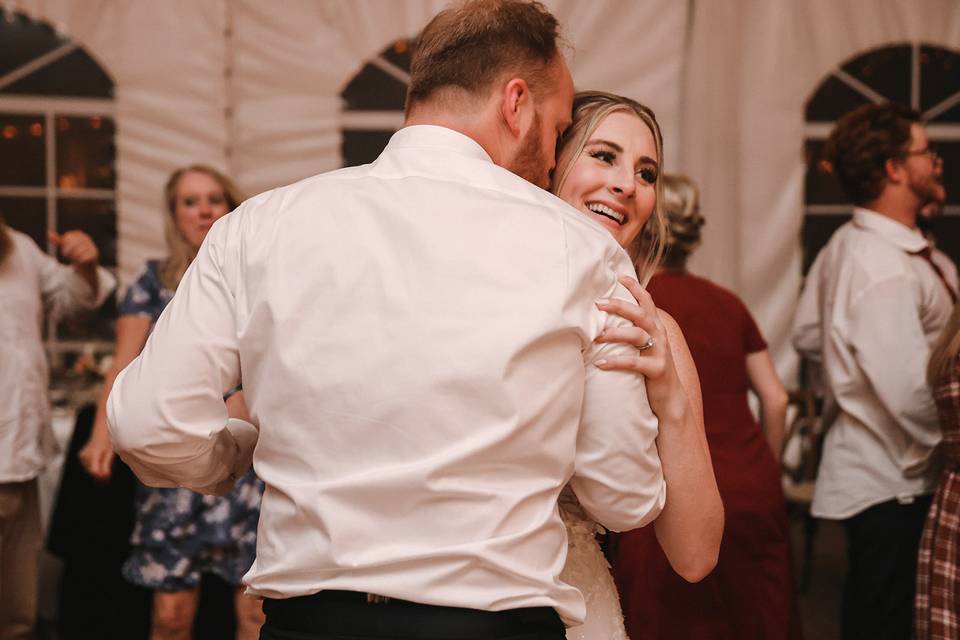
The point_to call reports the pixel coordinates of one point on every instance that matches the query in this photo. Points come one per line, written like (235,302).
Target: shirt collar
(421,136)
(899,235)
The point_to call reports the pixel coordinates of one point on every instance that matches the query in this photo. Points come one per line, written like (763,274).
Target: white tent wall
(291,65)
(752,65)
(166,60)
(253,88)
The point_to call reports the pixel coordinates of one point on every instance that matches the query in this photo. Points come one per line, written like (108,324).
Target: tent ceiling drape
(253,88)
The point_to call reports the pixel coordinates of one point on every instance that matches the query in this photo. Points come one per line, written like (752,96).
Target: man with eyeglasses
(876,298)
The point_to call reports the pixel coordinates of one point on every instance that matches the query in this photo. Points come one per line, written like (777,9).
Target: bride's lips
(609,214)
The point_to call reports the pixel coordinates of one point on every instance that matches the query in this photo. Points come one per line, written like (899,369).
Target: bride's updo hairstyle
(589,110)
(681,206)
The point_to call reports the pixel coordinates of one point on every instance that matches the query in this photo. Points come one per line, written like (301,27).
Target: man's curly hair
(862,142)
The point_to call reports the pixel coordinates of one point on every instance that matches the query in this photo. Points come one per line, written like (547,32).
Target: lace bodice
(587,570)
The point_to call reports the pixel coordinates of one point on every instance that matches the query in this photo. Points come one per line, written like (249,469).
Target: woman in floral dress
(180,535)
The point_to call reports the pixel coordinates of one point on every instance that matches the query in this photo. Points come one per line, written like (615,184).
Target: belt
(359,614)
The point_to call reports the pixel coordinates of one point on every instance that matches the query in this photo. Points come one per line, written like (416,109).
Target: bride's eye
(604,156)
(648,175)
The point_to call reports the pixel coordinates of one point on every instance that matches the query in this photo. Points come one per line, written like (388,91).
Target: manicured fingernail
(603,301)
(600,363)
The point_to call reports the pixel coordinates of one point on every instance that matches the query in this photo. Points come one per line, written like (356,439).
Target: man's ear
(516,106)
(894,170)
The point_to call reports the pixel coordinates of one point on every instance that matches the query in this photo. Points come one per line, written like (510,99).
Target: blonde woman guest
(750,594)
(179,535)
(938,562)
(608,168)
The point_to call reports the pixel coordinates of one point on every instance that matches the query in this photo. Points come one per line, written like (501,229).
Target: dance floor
(820,601)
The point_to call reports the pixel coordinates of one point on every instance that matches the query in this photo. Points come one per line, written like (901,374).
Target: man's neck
(899,209)
(477,124)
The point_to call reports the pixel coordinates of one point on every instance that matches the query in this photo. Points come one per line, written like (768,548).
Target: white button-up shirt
(870,312)
(31,283)
(416,344)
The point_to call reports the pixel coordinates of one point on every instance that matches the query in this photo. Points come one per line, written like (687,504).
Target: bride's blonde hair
(589,110)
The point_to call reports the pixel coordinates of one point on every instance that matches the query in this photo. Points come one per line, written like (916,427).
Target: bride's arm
(691,525)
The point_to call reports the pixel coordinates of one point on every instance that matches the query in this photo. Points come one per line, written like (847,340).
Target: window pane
(97,218)
(886,70)
(832,99)
(939,80)
(22,151)
(22,40)
(27,215)
(946,230)
(400,52)
(374,90)
(85,153)
(75,74)
(361,147)
(950,152)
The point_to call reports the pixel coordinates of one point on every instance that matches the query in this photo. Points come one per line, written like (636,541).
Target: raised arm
(691,526)
(83,285)
(166,412)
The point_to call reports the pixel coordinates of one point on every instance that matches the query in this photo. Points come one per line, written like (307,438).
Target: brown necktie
(927,254)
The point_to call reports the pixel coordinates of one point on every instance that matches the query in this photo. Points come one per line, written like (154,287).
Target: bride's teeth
(604,210)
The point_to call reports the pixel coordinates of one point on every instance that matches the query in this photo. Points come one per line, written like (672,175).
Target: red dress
(751,593)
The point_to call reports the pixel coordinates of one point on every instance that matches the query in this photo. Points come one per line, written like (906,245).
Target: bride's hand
(654,362)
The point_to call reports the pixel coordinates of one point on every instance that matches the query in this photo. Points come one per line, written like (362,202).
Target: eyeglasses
(928,150)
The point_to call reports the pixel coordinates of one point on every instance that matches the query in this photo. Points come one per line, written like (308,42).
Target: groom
(416,343)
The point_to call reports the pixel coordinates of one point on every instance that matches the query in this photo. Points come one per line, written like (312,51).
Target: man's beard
(530,163)
(931,194)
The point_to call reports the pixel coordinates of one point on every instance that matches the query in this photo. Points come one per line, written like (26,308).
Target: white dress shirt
(880,306)
(416,344)
(32,282)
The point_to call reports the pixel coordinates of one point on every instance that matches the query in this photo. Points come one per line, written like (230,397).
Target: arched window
(373,103)
(57,153)
(920,76)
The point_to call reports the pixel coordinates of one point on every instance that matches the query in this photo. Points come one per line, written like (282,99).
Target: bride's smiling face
(615,176)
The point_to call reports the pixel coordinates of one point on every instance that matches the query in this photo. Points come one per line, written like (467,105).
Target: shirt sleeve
(617,473)
(752,338)
(891,349)
(63,291)
(166,412)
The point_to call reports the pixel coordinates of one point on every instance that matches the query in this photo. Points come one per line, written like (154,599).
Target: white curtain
(751,66)
(253,88)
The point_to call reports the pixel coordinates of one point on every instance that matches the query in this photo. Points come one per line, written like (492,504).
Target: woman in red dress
(750,594)
(938,563)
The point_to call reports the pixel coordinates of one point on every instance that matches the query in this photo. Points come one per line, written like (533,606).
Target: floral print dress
(179,535)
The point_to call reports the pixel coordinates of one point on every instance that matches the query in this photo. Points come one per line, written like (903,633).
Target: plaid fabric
(937,610)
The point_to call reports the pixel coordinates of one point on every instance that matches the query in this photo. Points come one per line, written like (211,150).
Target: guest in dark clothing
(750,594)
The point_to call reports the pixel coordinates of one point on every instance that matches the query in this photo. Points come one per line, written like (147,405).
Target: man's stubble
(530,163)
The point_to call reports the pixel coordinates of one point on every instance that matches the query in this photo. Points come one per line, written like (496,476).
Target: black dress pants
(882,544)
(346,615)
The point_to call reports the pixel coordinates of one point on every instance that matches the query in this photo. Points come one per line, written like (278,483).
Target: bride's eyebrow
(607,143)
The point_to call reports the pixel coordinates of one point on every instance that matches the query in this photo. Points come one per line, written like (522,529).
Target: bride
(608,167)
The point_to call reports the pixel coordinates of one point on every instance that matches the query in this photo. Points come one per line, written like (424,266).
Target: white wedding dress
(587,570)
